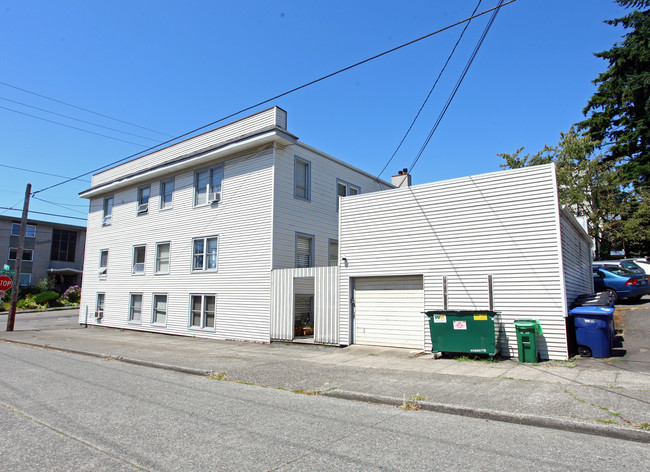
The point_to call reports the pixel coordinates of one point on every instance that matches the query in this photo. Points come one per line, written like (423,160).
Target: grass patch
(412,403)
(218,376)
(644,426)
(606,421)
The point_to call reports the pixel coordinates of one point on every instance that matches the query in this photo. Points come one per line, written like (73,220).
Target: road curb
(562,424)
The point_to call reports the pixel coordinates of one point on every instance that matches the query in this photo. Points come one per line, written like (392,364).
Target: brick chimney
(402,179)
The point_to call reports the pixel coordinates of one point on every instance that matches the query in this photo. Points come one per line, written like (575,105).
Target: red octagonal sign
(5,282)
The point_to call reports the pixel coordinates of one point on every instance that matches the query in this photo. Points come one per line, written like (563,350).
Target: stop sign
(5,282)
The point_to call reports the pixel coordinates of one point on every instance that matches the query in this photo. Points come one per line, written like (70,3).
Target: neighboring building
(184,240)
(494,241)
(51,250)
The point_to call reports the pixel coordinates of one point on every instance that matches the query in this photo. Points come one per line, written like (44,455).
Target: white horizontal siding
(272,117)
(501,224)
(576,251)
(243,223)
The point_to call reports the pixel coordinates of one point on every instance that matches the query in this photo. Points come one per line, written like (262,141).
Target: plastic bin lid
(529,323)
(591,310)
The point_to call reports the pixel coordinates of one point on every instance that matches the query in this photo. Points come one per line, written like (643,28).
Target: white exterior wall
(319,216)
(243,223)
(265,119)
(576,251)
(503,224)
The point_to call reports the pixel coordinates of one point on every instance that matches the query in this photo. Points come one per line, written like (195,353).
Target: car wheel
(613,295)
(584,351)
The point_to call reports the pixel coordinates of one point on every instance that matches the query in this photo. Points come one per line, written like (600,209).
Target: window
(28,254)
(205,254)
(203,311)
(25,279)
(304,250)
(166,193)
(162,258)
(333,253)
(302,179)
(108,211)
(207,184)
(135,308)
(103,262)
(30,230)
(138,259)
(99,306)
(159,310)
(64,245)
(143,199)
(343,189)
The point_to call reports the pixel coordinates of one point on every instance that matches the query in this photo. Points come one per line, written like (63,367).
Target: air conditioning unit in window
(99,315)
(214,197)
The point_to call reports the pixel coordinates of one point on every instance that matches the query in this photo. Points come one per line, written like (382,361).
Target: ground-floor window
(135,308)
(203,311)
(159,308)
(99,306)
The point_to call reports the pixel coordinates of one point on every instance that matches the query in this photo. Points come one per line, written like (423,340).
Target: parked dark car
(624,263)
(620,283)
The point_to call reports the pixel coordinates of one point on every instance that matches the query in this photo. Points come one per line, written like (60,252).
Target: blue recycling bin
(594,327)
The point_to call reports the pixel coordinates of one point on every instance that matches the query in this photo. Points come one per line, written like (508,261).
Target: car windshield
(630,265)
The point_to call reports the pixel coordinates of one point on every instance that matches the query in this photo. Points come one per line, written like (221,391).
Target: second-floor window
(166,193)
(64,245)
(30,230)
(333,253)
(143,199)
(343,189)
(302,179)
(108,211)
(207,185)
(304,250)
(162,258)
(103,262)
(28,254)
(204,254)
(138,259)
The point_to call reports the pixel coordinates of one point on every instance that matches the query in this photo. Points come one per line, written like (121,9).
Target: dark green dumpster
(527,331)
(471,332)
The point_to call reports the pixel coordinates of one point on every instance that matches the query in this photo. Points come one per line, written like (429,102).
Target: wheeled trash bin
(594,326)
(527,331)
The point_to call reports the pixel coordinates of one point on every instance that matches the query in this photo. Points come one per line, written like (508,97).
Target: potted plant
(308,330)
(298,329)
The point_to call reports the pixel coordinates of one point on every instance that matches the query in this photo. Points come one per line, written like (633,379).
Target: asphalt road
(42,320)
(61,411)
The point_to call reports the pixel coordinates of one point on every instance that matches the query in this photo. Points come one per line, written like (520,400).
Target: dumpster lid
(591,310)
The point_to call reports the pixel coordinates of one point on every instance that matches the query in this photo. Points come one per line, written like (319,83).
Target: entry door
(388,311)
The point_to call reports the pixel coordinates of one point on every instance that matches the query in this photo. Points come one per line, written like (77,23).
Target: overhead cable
(39,172)
(279,96)
(43,213)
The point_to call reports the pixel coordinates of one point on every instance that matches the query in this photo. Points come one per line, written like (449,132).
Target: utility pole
(19,260)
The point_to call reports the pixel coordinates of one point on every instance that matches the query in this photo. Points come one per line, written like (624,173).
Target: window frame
(156,263)
(107,218)
(332,257)
(210,188)
(154,322)
(202,326)
(143,207)
(31,251)
(103,269)
(27,230)
(29,279)
(312,245)
(144,260)
(70,252)
(103,304)
(131,319)
(303,162)
(163,184)
(348,186)
(204,254)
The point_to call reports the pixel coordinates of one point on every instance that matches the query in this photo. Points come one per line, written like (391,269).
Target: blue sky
(172,66)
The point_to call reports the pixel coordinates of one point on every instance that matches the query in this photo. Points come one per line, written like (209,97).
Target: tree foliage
(619,111)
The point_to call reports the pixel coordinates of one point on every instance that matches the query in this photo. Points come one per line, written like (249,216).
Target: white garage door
(388,311)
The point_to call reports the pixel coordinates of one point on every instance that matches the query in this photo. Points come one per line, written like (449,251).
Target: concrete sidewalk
(595,396)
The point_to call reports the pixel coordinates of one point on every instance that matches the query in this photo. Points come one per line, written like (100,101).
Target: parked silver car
(624,263)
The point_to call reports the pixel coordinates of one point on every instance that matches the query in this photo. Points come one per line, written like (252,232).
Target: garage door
(388,311)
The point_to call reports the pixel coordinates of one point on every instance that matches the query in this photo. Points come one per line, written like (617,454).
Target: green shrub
(46,297)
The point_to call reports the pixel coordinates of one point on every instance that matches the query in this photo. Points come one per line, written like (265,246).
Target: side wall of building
(242,222)
(504,225)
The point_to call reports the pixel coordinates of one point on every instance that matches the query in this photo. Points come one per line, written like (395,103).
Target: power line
(83,109)
(417,115)
(38,172)
(460,80)
(281,95)
(68,126)
(43,213)
(75,119)
(60,205)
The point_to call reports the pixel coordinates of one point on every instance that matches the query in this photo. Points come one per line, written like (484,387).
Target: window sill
(161,273)
(196,328)
(135,322)
(138,274)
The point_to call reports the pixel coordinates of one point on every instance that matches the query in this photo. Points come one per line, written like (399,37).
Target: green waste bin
(527,331)
(471,332)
